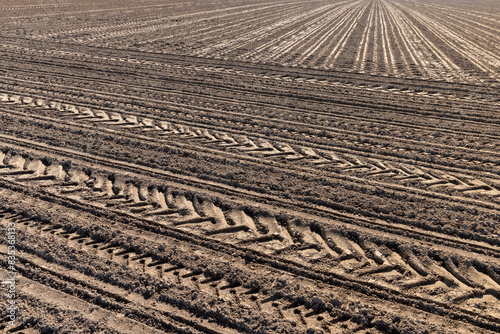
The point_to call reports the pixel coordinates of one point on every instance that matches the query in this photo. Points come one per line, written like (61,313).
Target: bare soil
(251,167)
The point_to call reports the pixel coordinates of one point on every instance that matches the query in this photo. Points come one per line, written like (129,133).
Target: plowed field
(250,166)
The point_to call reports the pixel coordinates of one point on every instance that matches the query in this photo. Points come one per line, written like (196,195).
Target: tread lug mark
(208,138)
(23,167)
(429,280)
(55,106)
(237,221)
(312,156)
(247,145)
(74,110)
(15,162)
(76,177)
(113,118)
(493,274)
(53,172)
(275,229)
(240,221)
(15,99)
(478,186)
(413,173)
(371,249)
(335,160)
(100,183)
(186,210)
(283,150)
(338,244)
(441,179)
(275,236)
(166,126)
(384,168)
(214,214)
(413,260)
(266,148)
(226,139)
(451,267)
(148,123)
(356,164)
(483,279)
(99,115)
(83,113)
(41,103)
(27,100)
(310,241)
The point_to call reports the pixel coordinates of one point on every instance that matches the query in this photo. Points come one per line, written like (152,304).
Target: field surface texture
(250,166)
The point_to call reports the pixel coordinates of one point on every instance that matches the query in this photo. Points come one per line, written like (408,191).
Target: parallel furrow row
(337,84)
(431,179)
(295,240)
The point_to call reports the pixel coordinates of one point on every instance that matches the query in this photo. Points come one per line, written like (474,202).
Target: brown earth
(256,167)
